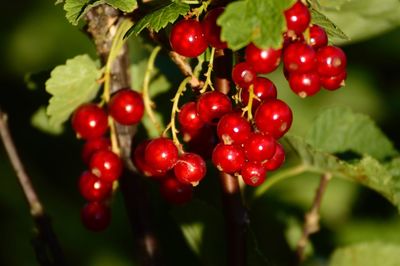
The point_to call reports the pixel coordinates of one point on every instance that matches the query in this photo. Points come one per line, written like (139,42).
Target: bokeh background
(35,37)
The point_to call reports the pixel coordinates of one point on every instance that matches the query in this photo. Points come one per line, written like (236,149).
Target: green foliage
(71,85)
(367,254)
(159,18)
(331,29)
(123,5)
(258,21)
(41,121)
(338,130)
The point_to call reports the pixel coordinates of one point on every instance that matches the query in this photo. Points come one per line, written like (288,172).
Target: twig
(311,223)
(46,245)
(185,69)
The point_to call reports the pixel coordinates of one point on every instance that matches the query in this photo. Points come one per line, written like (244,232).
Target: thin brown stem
(185,68)
(311,223)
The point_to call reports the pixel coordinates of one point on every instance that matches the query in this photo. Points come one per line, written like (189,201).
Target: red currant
(93,188)
(305,84)
(233,128)
(331,61)
(106,165)
(190,168)
(176,192)
(187,38)
(253,173)
(89,121)
(203,141)
(126,107)
(318,37)
(212,31)
(299,57)
(228,158)
(96,216)
(161,154)
(273,117)
(243,75)
(140,162)
(188,117)
(333,82)
(93,145)
(297,18)
(259,147)
(277,160)
(263,60)
(212,105)
(263,89)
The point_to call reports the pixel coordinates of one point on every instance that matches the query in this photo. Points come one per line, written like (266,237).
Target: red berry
(96,216)
(93,145)
(190,168)
(243,75)
(299,58)
(140,162)
(233,128)
(203,141)
(263,60)
(93,188)
(89,121)
(106,165)
(305,84)
(253,173)
(297,18)
(212,31)
(187,38)
(126,107)
(318,37)
(188,117)
(259,147)
(331,61)
(277,160)
(161,154)
(228,158)
(263,88)
(212,105)
(333,82)
(273,117)
(176,192)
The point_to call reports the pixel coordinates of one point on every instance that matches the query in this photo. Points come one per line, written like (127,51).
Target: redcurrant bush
(126,107)
(89,121)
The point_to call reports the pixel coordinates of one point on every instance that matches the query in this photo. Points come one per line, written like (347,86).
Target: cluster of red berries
(90,122)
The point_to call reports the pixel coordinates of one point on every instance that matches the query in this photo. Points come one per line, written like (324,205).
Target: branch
(311,224)
(46,245)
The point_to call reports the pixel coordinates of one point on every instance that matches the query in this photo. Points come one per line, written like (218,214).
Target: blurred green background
(35,37)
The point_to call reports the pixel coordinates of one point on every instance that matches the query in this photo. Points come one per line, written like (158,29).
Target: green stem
(208,74)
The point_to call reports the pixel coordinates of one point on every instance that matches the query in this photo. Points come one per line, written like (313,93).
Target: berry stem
(249,107)
(208,74)
(148,103)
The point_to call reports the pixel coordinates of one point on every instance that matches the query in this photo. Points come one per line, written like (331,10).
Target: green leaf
(59,2)
(331,29)
(367,254)
(159,18)
(123,5)
(41,121)
(338,129)
(77,8)
(71,85)
(258,21)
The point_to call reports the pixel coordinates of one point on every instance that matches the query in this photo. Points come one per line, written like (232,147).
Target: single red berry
(93,145)
(212,105)
(188,117)
(263,89)
(253,173)
(318,37)
(297,18)
(228,158)
(187,38)
(126,107)
(333,82)
(176,192)
(243,75)
(161,154)
(289,38)
(277,160)
(89,121)
(233,128)
(190,169)
(259,147)
(299,58)
(96,216)
(140,162)
(273,117)
(331,61)
(212,30)
(93,188)
(203,141)
(263,60)
(304,84)
(106,165)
